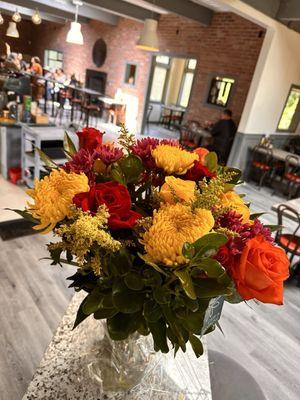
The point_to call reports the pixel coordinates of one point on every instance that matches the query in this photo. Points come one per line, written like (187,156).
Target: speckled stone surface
(65,370)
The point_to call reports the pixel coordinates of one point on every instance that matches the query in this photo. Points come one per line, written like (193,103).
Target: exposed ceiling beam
(65,9)
(268,7)
(123,9)
(186,8)
(27,13)
(289,10)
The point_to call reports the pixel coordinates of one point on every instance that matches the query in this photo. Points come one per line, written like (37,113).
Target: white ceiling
(148,6)
(216,5)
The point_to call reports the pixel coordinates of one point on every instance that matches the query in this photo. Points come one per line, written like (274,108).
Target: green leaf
(69,146)
(155,266)
(47,160)
(256,215)
(238,173)
(159,332)
(117,174)
(120,326)
(211,161)
(196,345)
(125,300)
(209,288)
(152,277)
(211,240)
(134,281)
(274,228)
(120,262)
(162,295)
(104,313)
(92,302)
(152,311)
(188,250)
(186,283)
(81,316)
(211,267)
(194,321)
(131,167)
(25,214)
(191,304)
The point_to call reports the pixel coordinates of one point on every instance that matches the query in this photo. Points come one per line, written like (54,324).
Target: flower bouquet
(158,234)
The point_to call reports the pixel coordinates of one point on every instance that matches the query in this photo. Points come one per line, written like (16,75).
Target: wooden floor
(33,297)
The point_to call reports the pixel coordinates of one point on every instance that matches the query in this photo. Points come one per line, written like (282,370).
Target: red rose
(117,199)
(224,257)
(89,139)
(198,172)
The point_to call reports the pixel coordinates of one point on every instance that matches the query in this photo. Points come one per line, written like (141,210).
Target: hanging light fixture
(16,16)
(1,19)
(36,18)
(75,35)
(149,39)
(12,30)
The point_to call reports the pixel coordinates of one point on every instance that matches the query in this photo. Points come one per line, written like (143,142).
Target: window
(186,83)
(290,116)
(160,76)
(130,74)
(53,59)
(220,90)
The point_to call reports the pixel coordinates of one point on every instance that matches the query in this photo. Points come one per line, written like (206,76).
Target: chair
(230,380)
(165,116)
(189,137)
(149,112)
(290,242)
(292,174)
(262,163)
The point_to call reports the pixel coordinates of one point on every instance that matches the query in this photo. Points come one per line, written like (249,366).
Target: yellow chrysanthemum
(173,160)
(173,225)
(235,202)
(53,197)
(176,189)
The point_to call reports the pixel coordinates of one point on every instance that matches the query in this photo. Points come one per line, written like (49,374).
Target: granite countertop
(64,370)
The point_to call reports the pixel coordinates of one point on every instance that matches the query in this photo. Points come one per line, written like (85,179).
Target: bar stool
(91,110)
(292,174)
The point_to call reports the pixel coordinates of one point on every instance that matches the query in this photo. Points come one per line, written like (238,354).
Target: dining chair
(189,139)
(262,164)
(289,240)
(292,174)
(231,380)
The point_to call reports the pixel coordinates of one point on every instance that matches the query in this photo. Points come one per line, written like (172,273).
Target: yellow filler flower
(173,225)
(173,160)
(53,197)
(176,189)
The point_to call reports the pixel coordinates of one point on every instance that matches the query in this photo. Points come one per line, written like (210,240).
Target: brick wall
(230,45)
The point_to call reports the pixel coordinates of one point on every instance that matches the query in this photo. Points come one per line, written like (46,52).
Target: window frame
(186,71)
(231,94)
(296,117)
(167,68)
(132,85)
(58,52)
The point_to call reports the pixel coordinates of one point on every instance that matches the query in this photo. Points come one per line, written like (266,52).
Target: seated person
(223,133)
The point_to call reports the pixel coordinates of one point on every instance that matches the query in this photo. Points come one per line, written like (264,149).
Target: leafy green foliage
(211,161)
(127,170)
(135,295)
(69,146)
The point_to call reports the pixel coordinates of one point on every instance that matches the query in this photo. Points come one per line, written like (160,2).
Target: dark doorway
(96,80)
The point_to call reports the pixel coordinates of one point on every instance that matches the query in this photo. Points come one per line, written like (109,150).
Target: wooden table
(295,204)
(280,154)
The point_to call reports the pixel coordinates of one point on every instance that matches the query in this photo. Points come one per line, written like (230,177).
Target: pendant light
(16,16)
(75,35)
(12,30)
(1,19)
(36,18)
(149,40)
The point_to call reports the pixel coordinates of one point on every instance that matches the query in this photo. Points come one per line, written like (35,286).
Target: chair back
(262,155)
(149,111)
(292,164)
(282,211)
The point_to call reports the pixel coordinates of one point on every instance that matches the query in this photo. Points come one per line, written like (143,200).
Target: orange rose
(202,152)
(261,271)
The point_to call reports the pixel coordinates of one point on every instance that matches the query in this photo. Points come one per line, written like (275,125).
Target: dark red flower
(224,256)
(143,149)
(117,199)
(108,154)
(89,139)
(81,162)
(198,173)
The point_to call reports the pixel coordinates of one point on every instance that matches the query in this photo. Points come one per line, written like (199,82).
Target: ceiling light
(16,17)
(149,40)
(1,19)
(12,30)
(75,35)
(36,18)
